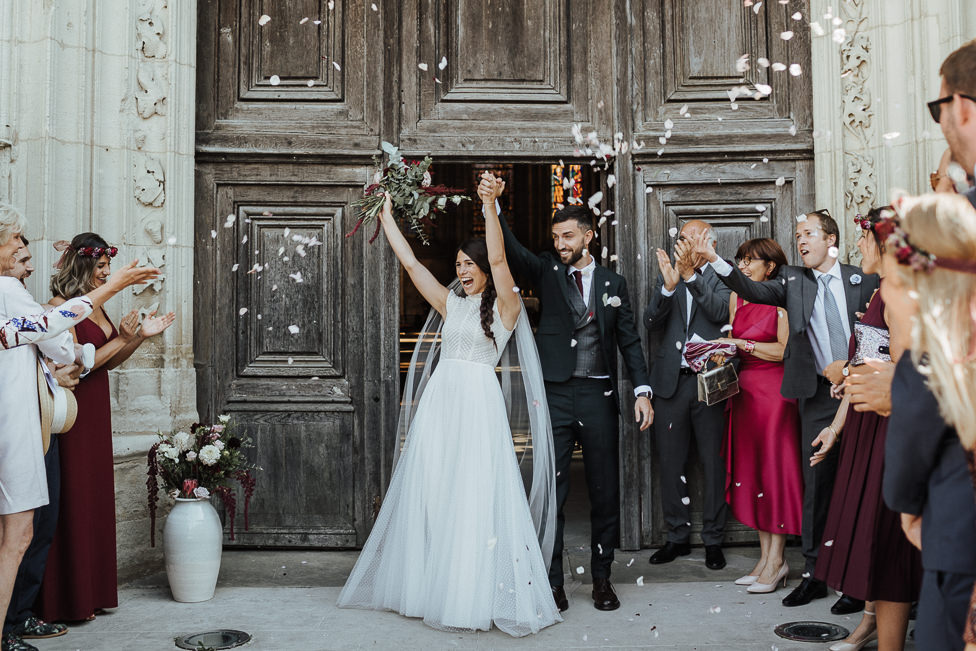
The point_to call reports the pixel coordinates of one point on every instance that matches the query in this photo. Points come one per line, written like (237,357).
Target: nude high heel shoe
(855,646)
(763,588)
(748,579)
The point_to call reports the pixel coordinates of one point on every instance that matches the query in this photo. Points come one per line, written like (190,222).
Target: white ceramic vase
(192,543)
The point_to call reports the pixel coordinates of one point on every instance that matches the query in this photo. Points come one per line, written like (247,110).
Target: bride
(456,542)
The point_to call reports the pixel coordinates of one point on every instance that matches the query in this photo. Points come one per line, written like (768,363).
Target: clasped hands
(869,389)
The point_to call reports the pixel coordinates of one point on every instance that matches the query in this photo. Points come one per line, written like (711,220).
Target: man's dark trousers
(816,412)
(30,574)
(582,411)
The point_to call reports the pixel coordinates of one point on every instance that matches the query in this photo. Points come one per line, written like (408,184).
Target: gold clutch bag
(718,384)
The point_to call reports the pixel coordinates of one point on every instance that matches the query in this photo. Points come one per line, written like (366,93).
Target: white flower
(855,279)
(191,455)
(201,492)
(169,451)
(224,418)
(209,455)
(613,301)
(426,182)
(219,445)
(182,441)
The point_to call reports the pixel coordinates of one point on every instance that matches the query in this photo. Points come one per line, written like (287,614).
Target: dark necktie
(578,275)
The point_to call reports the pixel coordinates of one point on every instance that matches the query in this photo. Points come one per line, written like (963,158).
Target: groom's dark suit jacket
(796,291)
(557,322)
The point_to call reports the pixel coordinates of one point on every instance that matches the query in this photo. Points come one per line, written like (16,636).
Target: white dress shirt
(688,301)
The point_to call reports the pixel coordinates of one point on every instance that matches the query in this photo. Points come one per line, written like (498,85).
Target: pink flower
(218,428)
(189,485)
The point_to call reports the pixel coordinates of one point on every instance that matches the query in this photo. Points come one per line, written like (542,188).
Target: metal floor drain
(215,640)
(812,631)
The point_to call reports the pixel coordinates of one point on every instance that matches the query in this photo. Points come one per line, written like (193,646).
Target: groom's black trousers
(581,410)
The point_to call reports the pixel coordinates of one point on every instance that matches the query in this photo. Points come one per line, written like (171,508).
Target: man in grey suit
(688,300)
(822,298)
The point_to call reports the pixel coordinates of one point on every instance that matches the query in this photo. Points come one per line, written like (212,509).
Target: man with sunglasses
(955,110)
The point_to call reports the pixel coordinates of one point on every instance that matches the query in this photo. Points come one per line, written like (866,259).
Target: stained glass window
(567,185)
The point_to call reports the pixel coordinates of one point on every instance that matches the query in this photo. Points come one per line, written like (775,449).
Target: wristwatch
(644,394)
(846,371)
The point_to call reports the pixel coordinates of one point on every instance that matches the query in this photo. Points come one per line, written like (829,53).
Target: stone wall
(871,80)
(96,134)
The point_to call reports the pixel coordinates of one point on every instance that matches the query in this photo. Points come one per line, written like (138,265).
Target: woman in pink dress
(764,485)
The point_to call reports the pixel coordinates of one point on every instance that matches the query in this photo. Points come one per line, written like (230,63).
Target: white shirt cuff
(721,267)
(643,389)
(666,292)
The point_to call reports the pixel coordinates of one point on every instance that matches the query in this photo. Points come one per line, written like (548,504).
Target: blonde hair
(12,223)
(945,326)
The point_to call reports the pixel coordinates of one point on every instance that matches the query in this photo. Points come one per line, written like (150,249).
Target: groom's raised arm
(524,263)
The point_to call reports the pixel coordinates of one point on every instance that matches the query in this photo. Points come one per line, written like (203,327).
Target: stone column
(97,105)
(875,65)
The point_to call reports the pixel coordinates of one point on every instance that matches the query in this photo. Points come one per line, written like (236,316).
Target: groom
(586,317)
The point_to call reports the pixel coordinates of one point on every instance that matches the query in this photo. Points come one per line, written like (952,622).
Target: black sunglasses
(935,106)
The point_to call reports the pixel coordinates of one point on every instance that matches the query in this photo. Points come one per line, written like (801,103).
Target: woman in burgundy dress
(80,577)
(764,485)
(864,553)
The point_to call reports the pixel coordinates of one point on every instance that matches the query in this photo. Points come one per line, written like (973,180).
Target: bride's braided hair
(477,250)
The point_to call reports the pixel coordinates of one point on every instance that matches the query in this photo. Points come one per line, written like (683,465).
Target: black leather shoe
(808,590)
(847,605)
(604,598)
(559,596)
(714,558)
(669,552)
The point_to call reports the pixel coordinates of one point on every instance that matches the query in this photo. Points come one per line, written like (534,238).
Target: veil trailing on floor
(520,376)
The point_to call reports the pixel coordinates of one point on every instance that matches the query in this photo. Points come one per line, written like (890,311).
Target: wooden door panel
(288,85)
(685,56)
(286,354)
(519,73)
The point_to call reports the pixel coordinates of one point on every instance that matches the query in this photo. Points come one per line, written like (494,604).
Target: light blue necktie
(835,325)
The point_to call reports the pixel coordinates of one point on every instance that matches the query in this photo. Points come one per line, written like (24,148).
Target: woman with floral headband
(863,553)
(930,288)
(80,578)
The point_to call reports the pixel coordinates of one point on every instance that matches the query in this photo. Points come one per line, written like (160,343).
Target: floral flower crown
(85,251)
(889,230)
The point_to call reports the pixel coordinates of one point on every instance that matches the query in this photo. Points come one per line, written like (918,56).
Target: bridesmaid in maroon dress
(864,553)
(764,485)
(80,577)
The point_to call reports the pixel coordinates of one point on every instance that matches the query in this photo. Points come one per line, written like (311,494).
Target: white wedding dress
(454,542)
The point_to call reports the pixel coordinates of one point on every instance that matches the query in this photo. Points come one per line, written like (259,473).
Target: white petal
(442,64)
(293,329)
(422,66)
(275,80)
(795,69)
(264,20)
(787,35)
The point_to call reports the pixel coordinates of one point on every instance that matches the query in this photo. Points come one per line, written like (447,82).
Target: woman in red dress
(80,577)
(863,553)
(764,485)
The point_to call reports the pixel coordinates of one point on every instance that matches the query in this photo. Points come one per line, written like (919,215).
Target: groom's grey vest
(589,361)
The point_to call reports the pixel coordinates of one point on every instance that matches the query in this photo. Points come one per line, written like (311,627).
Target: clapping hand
(668,272)
(129,326)
(130,274)
(685,258)
(153,325)
(702,247)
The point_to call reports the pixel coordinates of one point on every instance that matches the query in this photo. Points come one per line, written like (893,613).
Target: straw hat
(58,407)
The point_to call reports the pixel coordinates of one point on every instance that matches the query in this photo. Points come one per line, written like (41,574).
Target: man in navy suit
(955,110)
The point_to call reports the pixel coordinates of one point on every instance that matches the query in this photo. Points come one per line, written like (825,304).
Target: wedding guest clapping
(80,577)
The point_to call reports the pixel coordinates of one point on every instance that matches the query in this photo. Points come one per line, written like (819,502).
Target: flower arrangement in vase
(198,464)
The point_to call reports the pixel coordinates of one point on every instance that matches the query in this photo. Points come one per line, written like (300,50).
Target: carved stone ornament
(151,28)
(149,181)
(153,88)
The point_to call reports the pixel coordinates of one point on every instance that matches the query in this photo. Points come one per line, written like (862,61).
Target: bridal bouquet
(199,463)
(415,200)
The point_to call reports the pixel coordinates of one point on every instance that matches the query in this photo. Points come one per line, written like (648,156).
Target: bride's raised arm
(507,296)
(434,292)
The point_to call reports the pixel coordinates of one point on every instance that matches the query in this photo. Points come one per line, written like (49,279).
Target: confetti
(422,66)
(297,276)
(293,329)
(310,83)
(374,7)
(714,610)
(274,80)
(764,89)
(726,328)
(640,580)
(763,61)
(829,543)
(242,311)
(608,393)
(781,180)
(672,231)
(797,16)
(833,252)
(630,563)
(572,343)
(515,289)
(302,22)
(760,208)
(213,234)
(686,500)
(234,267)
(683,480)
(668,124)
(839,35)
(579,570)
(171,240)
(742,63)
(677,345)
(442,64)
(335,65)
(779,67)
(795,69)
(264,20)
(891,135)
(800,219)
(760,494)
(787,35)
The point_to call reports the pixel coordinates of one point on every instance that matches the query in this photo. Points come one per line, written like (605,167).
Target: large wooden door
(290,114)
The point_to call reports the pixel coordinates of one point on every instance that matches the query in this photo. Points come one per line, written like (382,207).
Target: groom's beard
(574,256)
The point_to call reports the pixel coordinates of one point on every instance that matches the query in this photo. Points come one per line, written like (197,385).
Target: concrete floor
(286,601)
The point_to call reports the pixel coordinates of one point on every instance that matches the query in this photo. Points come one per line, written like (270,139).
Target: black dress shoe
(808,590)
(559,596)
(669,552)
(714,558)
(847,605)
(604,598)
